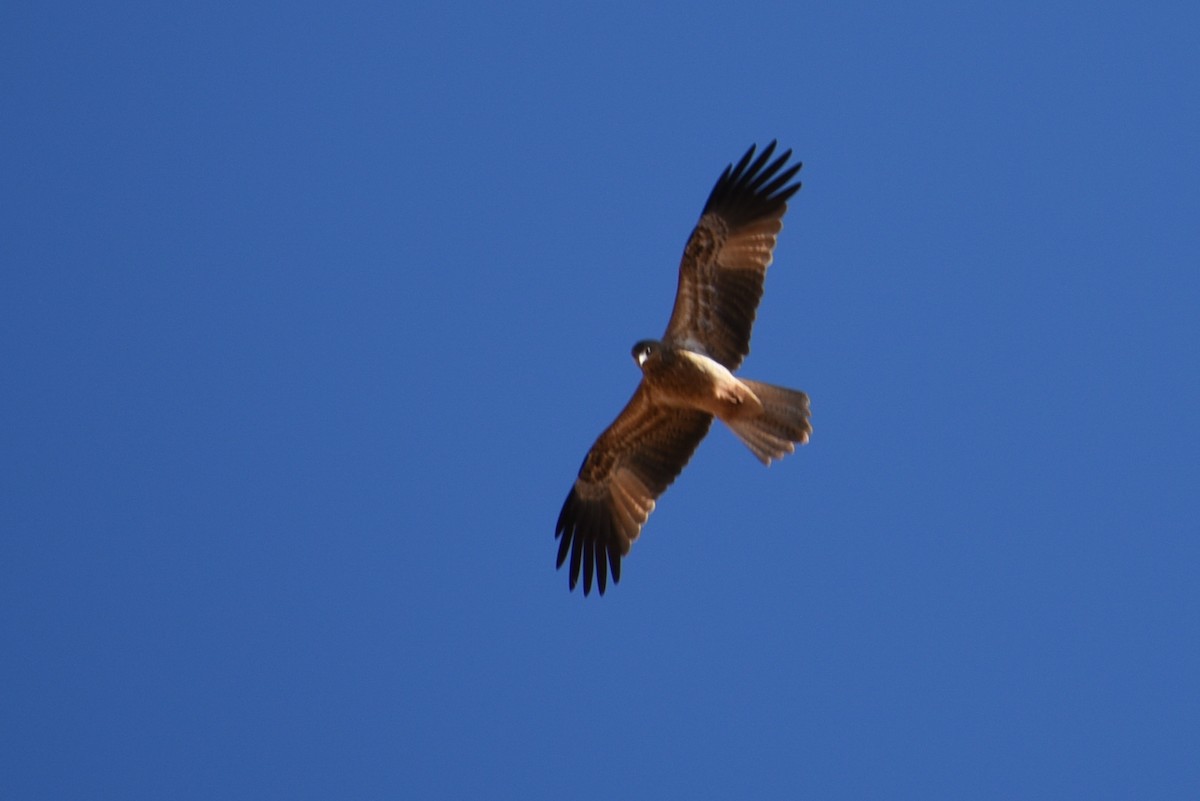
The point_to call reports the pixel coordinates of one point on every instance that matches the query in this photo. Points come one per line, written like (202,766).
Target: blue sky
(309,313)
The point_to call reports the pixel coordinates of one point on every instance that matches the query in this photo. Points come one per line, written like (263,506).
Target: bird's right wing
(629,466)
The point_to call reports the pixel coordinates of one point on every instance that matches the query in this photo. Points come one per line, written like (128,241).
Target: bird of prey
(687,376)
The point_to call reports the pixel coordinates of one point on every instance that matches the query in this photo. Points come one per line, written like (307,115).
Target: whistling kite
(687,377)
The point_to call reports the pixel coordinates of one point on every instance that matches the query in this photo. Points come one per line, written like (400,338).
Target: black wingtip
(753,187)
(587,532)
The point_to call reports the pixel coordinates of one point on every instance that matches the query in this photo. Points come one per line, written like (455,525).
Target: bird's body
(687,377)
(683,378)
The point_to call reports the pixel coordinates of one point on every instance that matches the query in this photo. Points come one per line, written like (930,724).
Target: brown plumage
(687,378)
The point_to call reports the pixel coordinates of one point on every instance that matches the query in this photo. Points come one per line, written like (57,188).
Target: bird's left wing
(726,258)
(629,466)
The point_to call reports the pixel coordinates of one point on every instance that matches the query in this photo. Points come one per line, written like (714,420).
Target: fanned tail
(782,424)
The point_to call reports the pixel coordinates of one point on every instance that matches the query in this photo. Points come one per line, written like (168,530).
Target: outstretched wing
(726,257)
(629,466)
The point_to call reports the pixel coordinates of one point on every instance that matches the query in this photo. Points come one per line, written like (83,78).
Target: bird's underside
(687,377)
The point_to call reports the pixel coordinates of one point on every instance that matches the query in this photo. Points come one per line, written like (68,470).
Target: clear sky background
(310,311)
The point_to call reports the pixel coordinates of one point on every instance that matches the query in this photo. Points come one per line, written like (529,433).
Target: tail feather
(782,424)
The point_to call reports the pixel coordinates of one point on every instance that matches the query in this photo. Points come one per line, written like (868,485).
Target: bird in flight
(687,376)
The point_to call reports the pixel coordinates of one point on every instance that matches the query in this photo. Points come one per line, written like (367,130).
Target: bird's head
(644,350)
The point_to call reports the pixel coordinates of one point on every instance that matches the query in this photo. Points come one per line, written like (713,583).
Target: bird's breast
(683,378)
